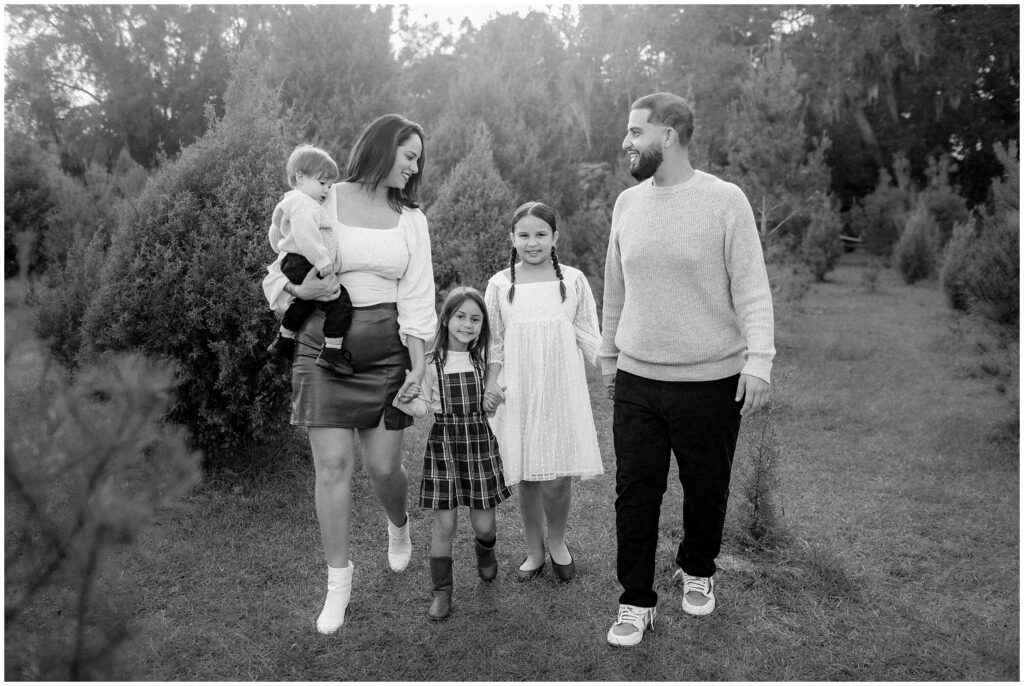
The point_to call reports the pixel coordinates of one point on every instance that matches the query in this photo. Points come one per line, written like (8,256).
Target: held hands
(411,388)
(754,393)
(609,382)
(493,396)
(315,288)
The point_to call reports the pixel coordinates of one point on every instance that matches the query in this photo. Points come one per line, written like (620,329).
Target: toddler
(302,228)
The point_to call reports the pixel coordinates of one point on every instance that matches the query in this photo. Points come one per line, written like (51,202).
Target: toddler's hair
(478,349)
(311,161)
(534,208)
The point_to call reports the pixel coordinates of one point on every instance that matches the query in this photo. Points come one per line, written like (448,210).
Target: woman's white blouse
(377,266)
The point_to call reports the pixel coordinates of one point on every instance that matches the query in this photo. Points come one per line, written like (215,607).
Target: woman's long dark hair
(478,350)
(373,157)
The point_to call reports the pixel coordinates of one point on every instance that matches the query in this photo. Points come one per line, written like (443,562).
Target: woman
(386,268)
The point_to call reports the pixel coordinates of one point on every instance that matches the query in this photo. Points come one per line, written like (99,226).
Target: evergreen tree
(991,278)
(182,277)
(469,222)
(767,154)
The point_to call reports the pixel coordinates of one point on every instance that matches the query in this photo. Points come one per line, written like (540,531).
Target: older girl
(543,323)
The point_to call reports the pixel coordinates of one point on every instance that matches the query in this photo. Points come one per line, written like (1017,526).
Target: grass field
(899,461)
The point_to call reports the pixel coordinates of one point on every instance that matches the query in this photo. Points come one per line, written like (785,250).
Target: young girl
(461,465)
(543,322)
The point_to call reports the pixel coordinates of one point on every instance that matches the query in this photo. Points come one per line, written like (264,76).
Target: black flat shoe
(564,572)
(531,574)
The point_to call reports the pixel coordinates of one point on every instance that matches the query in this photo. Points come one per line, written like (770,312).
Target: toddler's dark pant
(699,422)
(338,312)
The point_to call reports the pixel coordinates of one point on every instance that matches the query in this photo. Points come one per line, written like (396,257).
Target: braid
(558,271)
(512,272)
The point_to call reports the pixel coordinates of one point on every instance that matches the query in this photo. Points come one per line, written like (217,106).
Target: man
(688,348)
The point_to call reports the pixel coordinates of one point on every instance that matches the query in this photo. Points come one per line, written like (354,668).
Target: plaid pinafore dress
(461,465)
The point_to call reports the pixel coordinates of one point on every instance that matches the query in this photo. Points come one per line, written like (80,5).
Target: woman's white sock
(339,588)
(399,545)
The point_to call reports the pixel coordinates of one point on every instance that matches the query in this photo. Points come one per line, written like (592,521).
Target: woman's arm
(413,377)
(417,317)
(279,291)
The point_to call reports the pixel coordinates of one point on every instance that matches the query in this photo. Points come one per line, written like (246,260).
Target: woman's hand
(492,398)
(411,388)
(315,288)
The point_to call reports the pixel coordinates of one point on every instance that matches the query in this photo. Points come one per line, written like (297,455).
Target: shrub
(182,279)
(88,205)
(583,243)
(880,215)
(954,263)
(915,252)
(469,222)
(80,487)
(820,247)
(761,512)
(941,200)
(28,198)
(62,302)
(991,278)
(947,209)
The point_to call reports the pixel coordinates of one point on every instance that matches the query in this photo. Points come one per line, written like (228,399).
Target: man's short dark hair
(668,109)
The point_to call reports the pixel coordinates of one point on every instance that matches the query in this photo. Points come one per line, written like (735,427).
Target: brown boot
(486,563)
(441,596)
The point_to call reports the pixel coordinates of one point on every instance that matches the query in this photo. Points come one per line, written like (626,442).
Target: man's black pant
(338,312)
(699,422)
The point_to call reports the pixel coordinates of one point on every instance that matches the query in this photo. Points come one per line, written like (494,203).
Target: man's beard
(647,163)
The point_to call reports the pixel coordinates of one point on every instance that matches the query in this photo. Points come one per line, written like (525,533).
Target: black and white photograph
(500,342)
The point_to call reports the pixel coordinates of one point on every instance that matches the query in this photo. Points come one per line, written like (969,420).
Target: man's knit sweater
(686,295)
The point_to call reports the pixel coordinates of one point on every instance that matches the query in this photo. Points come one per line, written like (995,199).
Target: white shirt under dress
(378,266)
(545,427)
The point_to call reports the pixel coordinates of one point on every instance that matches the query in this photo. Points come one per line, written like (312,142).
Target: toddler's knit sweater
(686,295)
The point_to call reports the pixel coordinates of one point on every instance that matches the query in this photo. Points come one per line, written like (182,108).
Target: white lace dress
(545,428)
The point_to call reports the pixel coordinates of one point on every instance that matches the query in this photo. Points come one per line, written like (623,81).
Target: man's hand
(754,393)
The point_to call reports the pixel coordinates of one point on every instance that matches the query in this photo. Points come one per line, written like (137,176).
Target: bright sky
(477,12)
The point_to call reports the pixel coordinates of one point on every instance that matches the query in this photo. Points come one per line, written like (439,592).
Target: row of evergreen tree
(168,259)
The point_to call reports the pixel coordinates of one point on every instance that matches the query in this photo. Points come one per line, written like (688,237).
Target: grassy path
(903,566)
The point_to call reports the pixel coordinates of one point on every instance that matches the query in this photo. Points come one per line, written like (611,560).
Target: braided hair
(547,215)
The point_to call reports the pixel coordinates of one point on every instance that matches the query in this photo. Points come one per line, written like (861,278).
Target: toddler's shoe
(337,360)
(282,348)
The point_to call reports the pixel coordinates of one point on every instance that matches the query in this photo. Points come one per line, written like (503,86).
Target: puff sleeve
(416,300)
(492,299)
(273,286)
(588,331)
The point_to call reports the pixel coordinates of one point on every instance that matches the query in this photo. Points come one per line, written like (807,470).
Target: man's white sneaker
(698,593)
(629,628)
